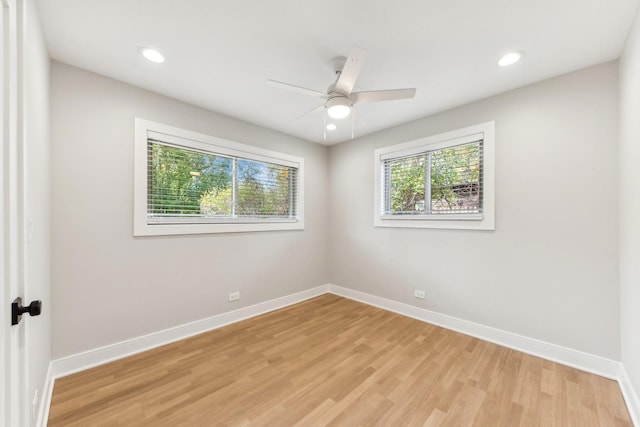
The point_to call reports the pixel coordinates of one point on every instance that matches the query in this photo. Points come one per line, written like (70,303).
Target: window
(443,181)
(188,183)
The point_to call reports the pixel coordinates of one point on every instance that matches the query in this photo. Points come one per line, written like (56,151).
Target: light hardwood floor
(333,361)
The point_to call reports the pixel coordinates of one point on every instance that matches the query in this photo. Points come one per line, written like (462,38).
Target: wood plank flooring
(335,362)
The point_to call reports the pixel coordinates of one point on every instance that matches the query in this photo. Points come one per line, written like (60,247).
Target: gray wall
(109,286)
(37,267)
(550,269)
(630,204)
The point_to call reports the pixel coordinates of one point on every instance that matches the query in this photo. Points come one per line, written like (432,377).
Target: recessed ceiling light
(152,55)
(510,59)
(331,126)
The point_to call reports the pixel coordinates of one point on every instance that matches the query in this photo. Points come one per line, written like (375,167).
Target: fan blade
(351,70)
(382,95)
(299,89)
(318,108)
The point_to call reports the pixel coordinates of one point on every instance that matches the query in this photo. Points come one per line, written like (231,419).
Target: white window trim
(483,221)
(146,128)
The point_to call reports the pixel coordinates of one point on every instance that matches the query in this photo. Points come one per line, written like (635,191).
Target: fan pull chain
(324,127)
(353,121)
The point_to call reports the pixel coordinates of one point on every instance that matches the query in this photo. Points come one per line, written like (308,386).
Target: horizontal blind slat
(452,176)
(186,183)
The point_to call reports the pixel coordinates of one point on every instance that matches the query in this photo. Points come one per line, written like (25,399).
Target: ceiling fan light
(339,107)
(339,111)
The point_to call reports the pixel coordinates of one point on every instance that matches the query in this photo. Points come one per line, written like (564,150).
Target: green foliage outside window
(453,176)
(407,184)
(185,183)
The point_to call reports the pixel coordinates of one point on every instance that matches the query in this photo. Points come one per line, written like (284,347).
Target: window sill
(458,223)
(191,228)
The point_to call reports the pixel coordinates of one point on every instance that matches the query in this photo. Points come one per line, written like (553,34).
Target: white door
(13,409)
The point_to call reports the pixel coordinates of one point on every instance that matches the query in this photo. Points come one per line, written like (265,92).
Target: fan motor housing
(338,99)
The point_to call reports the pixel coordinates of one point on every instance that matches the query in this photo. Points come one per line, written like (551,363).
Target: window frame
(476,221)
(173,136)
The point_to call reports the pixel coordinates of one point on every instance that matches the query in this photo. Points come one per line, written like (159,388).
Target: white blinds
(445,181)
(187,185)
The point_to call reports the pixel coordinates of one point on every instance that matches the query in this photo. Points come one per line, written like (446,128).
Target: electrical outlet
(419,294)
(234,296)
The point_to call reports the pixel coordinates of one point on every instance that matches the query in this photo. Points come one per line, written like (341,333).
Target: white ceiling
(219,54)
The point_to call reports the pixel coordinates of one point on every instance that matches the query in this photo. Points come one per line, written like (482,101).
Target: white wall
(629,207)
(109,286)
(550,269)
(36,199)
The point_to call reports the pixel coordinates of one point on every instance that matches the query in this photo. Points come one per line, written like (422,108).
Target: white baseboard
(577,359)
(630,396)
(587,362)
(99,356)
(45,398)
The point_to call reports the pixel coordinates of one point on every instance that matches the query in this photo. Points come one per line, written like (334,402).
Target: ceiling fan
(340,97)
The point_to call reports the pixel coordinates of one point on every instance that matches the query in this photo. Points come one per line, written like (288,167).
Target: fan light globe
(338,107)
